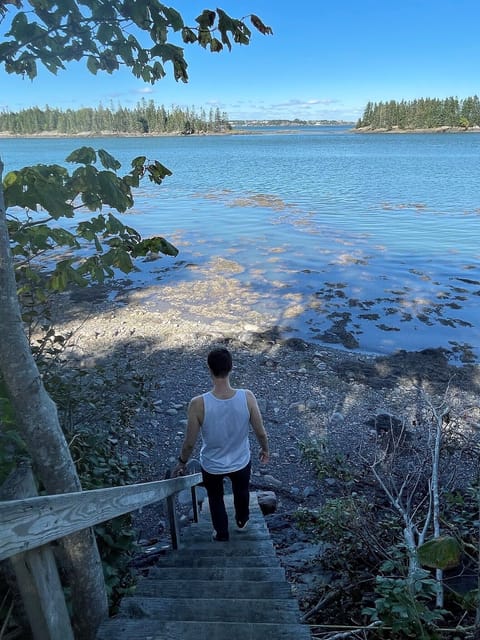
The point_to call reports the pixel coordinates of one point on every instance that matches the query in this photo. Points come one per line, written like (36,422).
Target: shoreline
(233,132)
(113,134)
(398,130)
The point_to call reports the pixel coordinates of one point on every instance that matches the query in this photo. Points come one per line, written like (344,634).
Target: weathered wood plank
(32,522)
(37,574)
(42,594)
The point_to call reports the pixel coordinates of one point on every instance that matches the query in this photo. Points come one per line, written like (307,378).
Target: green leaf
(108,161)
(206,19)
(83,155)
(188,36)
(122,260)
(93,65)
(139,162)
(158,72)
(440,553)
(260,26)
(111,191)
(19,23)
(139,13)
(105,33)
(215,45)
(174,18)
(62,237)
(11,179)
(156,244)
(113,225)
(157,172)
(204,37)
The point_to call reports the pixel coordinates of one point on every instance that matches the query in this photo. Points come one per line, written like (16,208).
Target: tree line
(423,113)
(145,117)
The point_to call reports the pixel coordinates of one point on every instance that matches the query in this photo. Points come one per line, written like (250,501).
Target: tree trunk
(37,422)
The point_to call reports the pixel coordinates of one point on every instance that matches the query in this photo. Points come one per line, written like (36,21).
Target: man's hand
(179,470)
(264,457)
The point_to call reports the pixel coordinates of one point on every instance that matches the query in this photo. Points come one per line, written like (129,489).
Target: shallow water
(367,242)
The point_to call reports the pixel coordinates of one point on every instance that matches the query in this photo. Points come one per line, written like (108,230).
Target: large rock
(267,501)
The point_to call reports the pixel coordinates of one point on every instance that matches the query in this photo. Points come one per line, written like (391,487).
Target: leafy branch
(105,33)
(53,189)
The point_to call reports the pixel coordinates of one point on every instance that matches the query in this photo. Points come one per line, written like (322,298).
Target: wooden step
(211,588)
(274,610)
(217,573)
(211,559)
(122,629)
(232,548)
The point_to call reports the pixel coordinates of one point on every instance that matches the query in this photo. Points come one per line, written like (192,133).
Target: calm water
(374,237)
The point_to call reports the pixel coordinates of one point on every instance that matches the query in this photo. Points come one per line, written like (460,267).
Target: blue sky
(325,60)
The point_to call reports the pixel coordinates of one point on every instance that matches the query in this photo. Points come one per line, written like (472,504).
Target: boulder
(267,501)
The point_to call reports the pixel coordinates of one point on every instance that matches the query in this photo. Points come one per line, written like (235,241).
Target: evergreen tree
(145,117)
(422,113)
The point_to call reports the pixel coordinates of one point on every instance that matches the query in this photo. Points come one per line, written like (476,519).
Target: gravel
(146,349)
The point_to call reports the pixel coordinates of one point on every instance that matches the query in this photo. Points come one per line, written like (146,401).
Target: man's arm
(194,423)
(257,424)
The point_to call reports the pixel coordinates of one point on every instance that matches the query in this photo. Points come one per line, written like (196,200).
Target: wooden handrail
(29,523)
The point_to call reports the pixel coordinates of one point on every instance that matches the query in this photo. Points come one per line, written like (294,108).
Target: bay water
(364,242)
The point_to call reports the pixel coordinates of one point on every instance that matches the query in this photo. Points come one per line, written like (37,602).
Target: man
(223,416)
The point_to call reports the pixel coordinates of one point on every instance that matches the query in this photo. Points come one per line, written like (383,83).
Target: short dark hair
(220,362)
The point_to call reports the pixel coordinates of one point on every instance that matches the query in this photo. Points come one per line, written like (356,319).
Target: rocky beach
(142,353)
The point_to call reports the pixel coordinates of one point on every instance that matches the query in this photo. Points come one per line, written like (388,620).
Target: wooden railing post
(172,516)
(36,572)
(194,467)
(194,503)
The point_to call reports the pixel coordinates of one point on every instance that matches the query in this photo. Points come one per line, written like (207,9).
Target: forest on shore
(145,117)
(424,113)
(148,118)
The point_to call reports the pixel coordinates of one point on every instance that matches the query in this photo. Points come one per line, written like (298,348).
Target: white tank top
(225,428)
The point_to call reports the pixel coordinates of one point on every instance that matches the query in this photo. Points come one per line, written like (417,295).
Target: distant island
(145,118)
(422,115)
(290,123)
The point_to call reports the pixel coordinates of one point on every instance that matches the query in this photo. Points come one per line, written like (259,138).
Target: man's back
(224,432)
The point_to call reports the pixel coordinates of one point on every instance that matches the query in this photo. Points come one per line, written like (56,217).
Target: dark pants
(213,483)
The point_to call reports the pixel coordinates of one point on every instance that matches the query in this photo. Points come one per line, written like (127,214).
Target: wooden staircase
(210,590)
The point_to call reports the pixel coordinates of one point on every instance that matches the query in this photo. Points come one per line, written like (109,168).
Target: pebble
(298,406)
